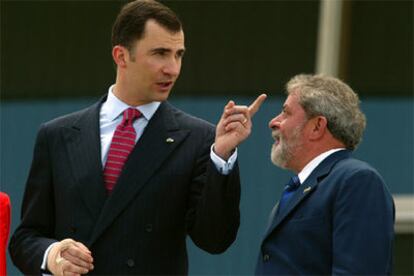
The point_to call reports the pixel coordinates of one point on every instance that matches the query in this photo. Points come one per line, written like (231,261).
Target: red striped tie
(122,144)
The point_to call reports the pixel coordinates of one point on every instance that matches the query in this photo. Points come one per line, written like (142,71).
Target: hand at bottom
(69,257)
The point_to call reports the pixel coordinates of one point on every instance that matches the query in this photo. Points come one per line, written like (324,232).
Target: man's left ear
(318,127)
(120,55)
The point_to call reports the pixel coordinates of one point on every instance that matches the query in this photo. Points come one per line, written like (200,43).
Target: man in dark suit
(336,215)
(116,188)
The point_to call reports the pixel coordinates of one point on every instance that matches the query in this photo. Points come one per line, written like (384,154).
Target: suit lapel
(84,149)
(307,188)
(301,193)
(161,136)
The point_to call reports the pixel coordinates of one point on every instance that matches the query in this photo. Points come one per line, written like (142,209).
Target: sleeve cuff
(224,167)
(43,268)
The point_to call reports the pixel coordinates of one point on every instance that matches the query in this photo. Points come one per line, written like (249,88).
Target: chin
(279,162)
(160,97)
(278,158)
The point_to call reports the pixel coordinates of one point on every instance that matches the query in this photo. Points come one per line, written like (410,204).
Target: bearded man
(336,215)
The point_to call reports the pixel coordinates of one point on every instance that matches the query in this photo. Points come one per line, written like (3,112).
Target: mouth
(276,137)
(165,85)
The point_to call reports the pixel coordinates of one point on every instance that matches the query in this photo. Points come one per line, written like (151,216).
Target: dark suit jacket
(166,191)
(339,221)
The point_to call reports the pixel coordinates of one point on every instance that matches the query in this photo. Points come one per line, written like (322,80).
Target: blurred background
(56,59)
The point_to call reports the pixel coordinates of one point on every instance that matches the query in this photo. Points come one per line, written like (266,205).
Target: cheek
(283,129)
(154,65)
(287,135)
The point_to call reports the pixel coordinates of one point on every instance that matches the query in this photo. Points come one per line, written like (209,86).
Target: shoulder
(341,165)
(353,174)
(352,166)
(86,115)
(69,119)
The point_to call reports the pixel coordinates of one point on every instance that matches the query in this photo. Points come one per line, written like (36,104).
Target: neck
(125,94)
(311,151)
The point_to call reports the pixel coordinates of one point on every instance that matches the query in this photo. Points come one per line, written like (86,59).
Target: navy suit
(168,188)
(339,221)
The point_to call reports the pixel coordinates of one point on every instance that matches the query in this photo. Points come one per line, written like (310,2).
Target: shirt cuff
(43,267)
(224,167)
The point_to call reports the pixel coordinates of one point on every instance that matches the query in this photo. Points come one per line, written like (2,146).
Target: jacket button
(73,229)
(266,257)
(148,227)
(130,263)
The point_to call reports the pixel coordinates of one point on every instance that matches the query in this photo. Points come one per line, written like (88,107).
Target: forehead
(292,101)
(293,106)
(156,36)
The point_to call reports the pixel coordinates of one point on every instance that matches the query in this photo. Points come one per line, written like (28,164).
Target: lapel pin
(307,190)
(169,140)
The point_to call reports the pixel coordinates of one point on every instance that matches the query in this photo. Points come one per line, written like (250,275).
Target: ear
(120,55)
(318,127)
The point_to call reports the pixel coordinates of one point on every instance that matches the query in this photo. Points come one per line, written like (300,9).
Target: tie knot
(130,115)
(293,184)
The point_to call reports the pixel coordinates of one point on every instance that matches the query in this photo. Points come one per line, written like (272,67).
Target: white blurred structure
(329,37)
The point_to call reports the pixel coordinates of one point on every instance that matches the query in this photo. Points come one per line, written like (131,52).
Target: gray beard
(282,154)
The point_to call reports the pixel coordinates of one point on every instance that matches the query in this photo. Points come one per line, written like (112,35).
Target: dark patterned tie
(122,144)
(290,188)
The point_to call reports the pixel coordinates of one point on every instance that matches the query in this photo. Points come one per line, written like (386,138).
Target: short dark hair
(129,25)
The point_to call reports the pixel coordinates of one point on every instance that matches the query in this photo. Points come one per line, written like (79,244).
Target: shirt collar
(114,107)
(308,169)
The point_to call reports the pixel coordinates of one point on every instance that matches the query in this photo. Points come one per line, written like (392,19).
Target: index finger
(254,107)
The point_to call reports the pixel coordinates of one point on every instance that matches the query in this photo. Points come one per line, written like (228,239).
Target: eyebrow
(160,49)
(166,50)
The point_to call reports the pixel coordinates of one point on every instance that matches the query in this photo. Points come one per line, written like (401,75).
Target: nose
(172,67)
(275,122)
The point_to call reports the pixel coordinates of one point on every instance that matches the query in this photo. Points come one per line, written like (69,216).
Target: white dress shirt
(308,169)
(111,115)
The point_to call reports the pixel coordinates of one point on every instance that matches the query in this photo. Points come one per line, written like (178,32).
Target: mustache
(275,134)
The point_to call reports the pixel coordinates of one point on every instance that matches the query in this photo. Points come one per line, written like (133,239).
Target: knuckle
(65,254)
